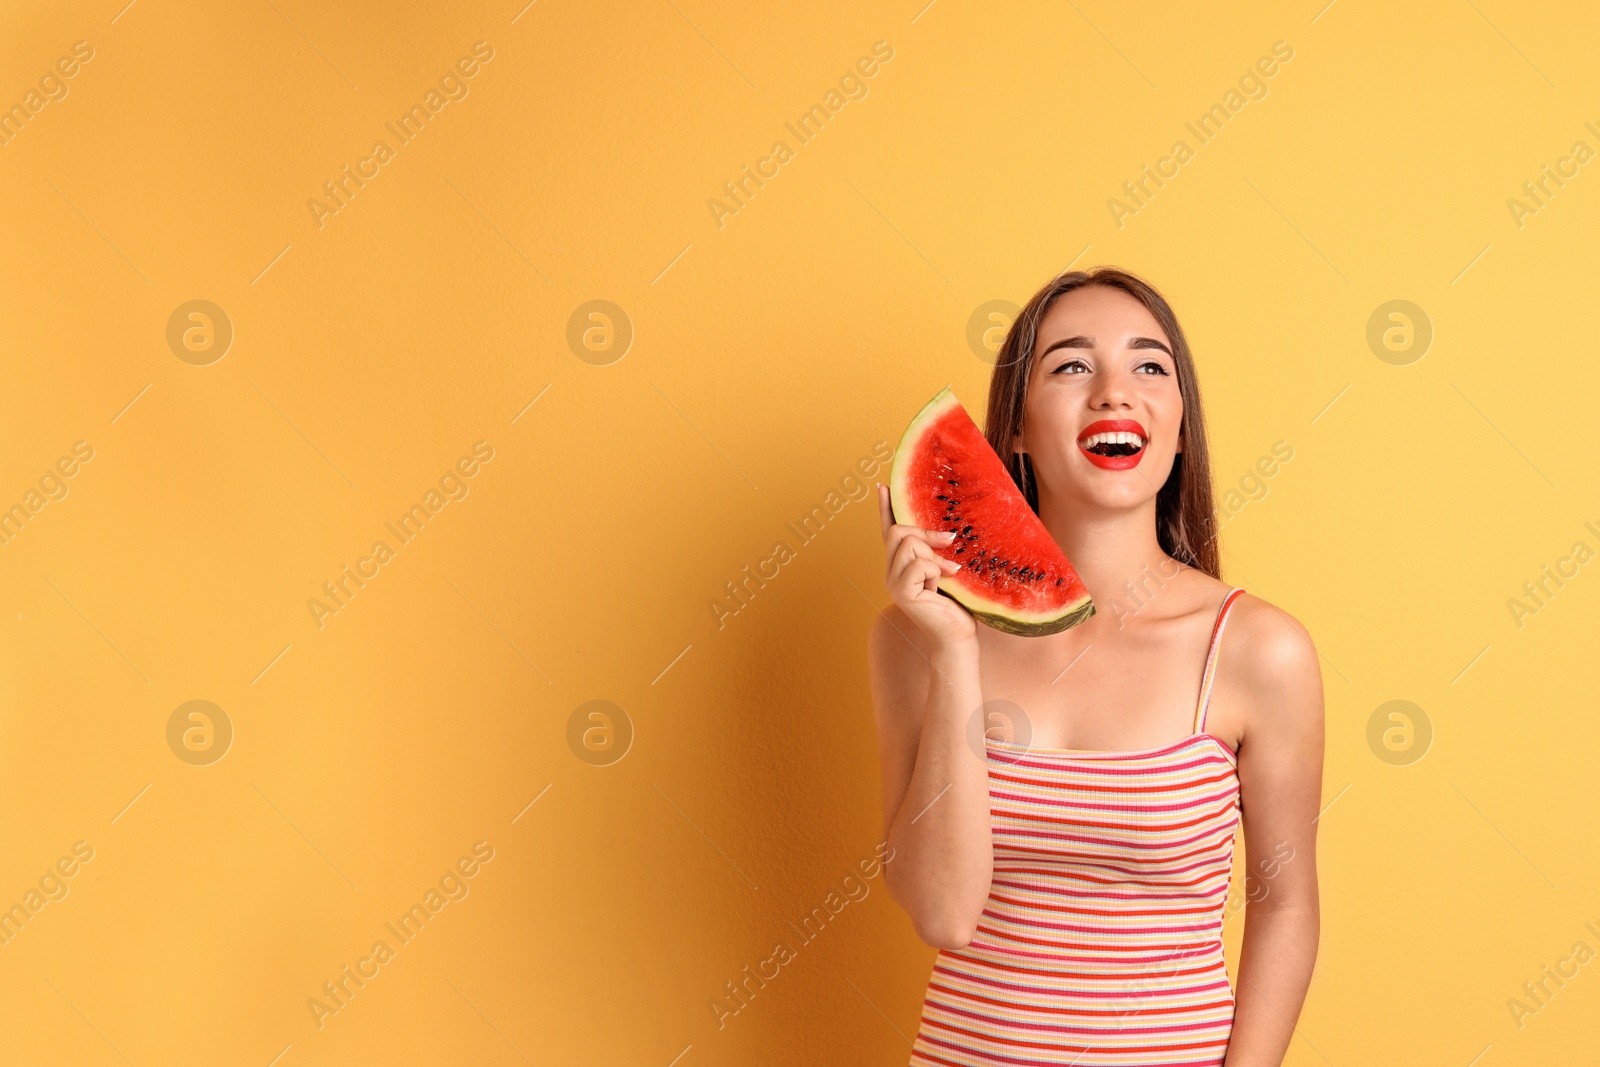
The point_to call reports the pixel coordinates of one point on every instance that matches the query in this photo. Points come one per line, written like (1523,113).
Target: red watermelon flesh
(1013,576)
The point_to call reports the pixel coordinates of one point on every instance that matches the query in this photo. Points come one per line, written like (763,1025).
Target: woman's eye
(1151,367)
(1072,366)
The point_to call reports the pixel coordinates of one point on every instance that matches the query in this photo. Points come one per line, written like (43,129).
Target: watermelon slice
(1013,576)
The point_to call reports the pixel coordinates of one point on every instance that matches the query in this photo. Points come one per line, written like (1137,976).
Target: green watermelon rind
(992,613)
(1009,624)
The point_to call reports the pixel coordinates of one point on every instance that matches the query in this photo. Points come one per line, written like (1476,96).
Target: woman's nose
(1110,393)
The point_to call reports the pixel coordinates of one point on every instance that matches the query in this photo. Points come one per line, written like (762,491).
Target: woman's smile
(1114,444)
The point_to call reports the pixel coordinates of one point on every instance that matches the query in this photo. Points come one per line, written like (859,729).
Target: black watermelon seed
(1058,581)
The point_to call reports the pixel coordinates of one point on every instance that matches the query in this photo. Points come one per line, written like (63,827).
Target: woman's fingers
(892,529)
(921,575)
(912,540)
(922,541)
(914,561)
(945,567)
(900,532)
(904,553)
(910,566)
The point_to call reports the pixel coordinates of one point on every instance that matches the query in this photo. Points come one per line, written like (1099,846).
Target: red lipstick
(1114,444)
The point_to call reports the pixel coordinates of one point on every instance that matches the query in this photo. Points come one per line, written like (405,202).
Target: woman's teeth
(1103,441)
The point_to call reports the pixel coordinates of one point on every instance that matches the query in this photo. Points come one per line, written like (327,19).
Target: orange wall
(420,737)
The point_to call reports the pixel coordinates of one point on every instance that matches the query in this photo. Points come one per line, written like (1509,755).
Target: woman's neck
(1108,549)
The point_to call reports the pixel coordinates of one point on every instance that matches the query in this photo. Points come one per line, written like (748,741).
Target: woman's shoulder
(1271,652)
(1268,630)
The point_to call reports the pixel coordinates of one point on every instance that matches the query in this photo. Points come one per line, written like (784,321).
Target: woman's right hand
(913,573)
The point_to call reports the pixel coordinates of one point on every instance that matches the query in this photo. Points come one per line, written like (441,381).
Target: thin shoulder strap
(1210,672)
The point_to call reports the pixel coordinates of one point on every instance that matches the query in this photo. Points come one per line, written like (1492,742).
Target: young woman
(1062,809)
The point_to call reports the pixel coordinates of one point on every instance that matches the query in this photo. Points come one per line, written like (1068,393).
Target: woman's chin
(1109,500)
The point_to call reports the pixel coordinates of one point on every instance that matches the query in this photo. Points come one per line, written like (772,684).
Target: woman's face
(1103,410)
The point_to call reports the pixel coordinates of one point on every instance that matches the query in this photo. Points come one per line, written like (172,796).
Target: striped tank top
(1101,941)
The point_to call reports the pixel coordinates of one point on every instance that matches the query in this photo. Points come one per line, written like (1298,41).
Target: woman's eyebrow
(1080,341)
(1149,342)
(1069,342)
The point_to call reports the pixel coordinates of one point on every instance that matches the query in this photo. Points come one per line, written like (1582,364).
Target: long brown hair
(1185,522)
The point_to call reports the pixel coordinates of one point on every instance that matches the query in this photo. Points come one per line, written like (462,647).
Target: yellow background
(769,355)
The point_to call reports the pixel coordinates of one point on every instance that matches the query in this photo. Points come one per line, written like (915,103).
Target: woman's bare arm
(923,659)
(1279,684)
(935,789)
